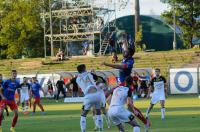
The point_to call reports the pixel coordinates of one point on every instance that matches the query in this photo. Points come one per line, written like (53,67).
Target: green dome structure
(156,34)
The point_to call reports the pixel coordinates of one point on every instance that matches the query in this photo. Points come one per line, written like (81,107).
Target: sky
(147,7)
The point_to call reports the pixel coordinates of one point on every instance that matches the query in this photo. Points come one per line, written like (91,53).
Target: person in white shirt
(159,87)
(24,95)
(92,97)
(117,112)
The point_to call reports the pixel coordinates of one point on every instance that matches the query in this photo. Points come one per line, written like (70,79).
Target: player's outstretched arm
(116,66)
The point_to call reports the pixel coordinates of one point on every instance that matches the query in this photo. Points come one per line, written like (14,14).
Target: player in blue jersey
(1,85)
(8,98)
(35,93)
(126,66)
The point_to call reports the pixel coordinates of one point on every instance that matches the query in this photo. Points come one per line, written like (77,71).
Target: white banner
(183,81)
(74,100)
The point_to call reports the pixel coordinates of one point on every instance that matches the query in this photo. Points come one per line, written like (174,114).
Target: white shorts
(24,97)
(103,99)
(90,100)
(119,114)
(157,97)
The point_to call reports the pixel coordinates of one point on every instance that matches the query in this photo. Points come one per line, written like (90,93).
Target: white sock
(107,120)
(136,129)
(147,113)
(163,113)
(95,120)
(99,121)
(83,124)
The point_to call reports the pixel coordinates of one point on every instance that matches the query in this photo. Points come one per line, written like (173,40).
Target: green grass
(182,115)
(162,60)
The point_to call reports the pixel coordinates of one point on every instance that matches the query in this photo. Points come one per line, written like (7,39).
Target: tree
(21,31)
(137,22)
(187,19)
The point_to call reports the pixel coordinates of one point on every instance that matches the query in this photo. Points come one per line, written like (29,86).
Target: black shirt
(157,79)
(60,84)
(75,85)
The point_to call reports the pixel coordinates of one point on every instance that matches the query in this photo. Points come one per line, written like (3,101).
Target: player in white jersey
(24,95)
(117,112)
(87,84)
(159,87)
(102,88)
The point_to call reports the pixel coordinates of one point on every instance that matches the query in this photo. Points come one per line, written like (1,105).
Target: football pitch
(182,115)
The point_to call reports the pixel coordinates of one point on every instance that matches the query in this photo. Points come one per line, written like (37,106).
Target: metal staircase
(104,47)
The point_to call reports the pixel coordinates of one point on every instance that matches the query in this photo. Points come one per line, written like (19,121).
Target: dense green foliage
(20,29)
(187,19)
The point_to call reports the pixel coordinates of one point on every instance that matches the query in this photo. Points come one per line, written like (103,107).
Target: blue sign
(190,79)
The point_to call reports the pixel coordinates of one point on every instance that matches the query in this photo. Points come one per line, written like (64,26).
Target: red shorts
(11,103)
(36,100)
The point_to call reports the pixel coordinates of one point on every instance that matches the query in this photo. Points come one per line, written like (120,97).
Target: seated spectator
(60,55)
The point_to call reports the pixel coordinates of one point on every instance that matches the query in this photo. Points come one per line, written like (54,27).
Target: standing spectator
(60,88)
(112,42)
(85,48)
(50,87)
(135,81)
(75,86)
(115,57)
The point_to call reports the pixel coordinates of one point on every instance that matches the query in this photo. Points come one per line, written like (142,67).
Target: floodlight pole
(51,29)
(174,21)
(44,22)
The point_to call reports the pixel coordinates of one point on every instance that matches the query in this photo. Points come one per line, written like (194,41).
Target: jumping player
(117,112)
(125,68)
(8,98)
(87,84)
(35,93)
(25,92)
(159,85)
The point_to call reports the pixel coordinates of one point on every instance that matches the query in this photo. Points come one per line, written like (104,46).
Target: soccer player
(159,85)
(102,88)
(87,84)
(24,93)
(35,93)
(125,68)
(1,85)
(8,98)
(117,112)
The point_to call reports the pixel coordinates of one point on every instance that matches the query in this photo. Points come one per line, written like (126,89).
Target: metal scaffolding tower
(68,21)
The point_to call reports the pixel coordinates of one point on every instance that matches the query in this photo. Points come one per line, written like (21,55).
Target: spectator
(115,57)
(143,92)
(135,81)
(50,87)
(60,88)
(60,55)
(85,48)
(75,86)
